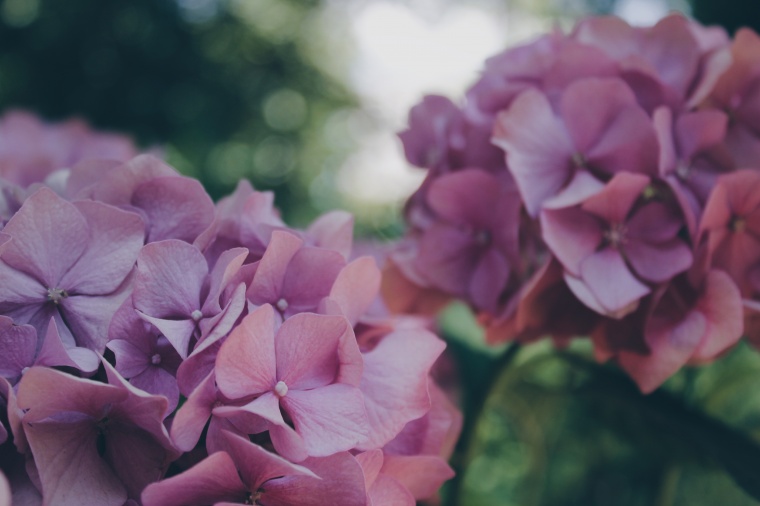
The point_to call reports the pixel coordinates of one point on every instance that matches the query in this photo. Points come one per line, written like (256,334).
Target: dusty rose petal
(306,347)
(245,364)
(422,475)
(537,148)
(329,419)
(213,480)
(395,382)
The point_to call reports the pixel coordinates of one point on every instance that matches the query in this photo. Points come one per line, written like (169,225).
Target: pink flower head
(308,370)
(596,128)
(113,433)
(614,242)
(68,261)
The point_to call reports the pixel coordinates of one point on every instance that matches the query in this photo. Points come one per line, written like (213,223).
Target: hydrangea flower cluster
(158,349)
(601,183)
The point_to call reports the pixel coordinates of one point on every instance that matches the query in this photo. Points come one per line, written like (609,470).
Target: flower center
(196,315)
(282,305)
(682,171)
(155,359)
(615,235)
(482,237)
(738,225)
(55,295)
(281,389)
(579,161)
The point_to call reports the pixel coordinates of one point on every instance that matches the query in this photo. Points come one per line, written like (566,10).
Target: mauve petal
(245,364)
(304,286)
(538,149)
(612,34)
(54,354)
(489,280)
(257,465)
(700,130)
(387,491)
(717,212)
(721,304)
(158,381)
(589,106)
(18,346)
(19,291)
(177,332)
(465,197)
(670,348)
(737,253)
(662,122)
(191,418)
(340,483)
(225,270)
(49,235)
(307,349)
(118,186)
(672,50)
(266,410)
(116,237)
(608,278)
(70,469)
(356,287)
(446,258)
(210,481)
(197,366)
(130,360)
(44,392)
(169,279)
(176,207)
(614,203)
(88,317)
(288,443)
(581,187)
(654,222)
(268,280)
(658,262)
(5,490)
(334,231)
(135,458)
(329,419)
(435,433)
(215,328)
(395,382)
(572,235)
(629,144)
(422,475)
(371,462)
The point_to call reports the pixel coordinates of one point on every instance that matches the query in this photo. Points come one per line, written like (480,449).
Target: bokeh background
(303,97)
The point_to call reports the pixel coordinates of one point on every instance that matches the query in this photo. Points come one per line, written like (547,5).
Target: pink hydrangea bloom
(623,144)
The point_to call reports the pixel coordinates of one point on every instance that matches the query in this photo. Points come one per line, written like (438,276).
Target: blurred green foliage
(226,87)
(559,430)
